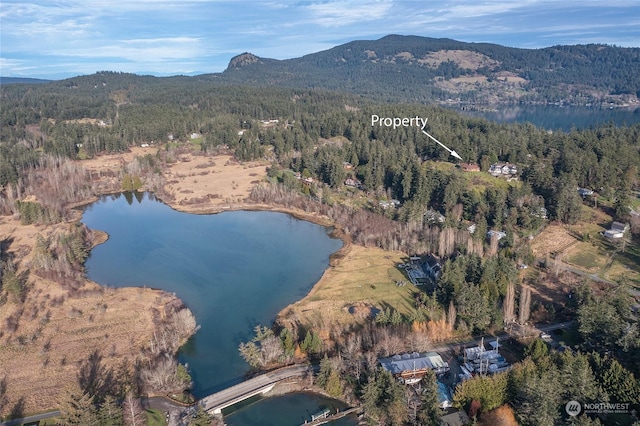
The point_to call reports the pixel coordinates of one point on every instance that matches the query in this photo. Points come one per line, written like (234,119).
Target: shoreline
(335,233)
(162,300)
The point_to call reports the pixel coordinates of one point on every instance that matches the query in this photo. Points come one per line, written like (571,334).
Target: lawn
(586,256)
(155,418)
(364,279)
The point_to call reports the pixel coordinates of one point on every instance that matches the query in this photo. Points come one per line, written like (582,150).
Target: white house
(498,234)
(617,230)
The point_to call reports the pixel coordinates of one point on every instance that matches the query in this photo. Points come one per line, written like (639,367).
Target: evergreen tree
(312,343)
(109,413)
(127,183)
(201,418)
(77,408)
(383,399)
(333,385)
(430,408)
(536,350)
(619,383)
(325,371)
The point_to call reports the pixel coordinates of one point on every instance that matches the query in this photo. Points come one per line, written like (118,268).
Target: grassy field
(362,282)
(587,256)
(582,246)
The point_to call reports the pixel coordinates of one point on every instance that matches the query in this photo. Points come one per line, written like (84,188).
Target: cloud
(204,34)
(341,13)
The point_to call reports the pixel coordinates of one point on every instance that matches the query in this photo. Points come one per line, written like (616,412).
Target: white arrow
(455,154)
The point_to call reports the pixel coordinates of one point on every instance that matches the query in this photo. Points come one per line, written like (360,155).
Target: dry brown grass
(58,330)
(204,183)
(363,279)
(462,58)
(553,239)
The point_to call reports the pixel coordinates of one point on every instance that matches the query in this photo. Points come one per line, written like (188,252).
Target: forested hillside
(421,69)
(384,188)
(108,112)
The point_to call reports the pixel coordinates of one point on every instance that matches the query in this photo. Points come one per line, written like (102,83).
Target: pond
(234,270)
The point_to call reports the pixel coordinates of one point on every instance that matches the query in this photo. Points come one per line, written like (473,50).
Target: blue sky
(54,39)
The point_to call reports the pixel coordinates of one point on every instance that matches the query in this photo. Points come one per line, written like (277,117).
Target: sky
(58,39)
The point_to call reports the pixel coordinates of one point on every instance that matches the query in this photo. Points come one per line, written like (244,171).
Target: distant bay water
(556,117)
(234,270)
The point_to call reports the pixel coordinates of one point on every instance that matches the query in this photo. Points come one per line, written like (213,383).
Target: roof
(413,361)
(444,394)
(498,234)
(612,233)
(617,226)
(432,261)
(458,418)
(470,167)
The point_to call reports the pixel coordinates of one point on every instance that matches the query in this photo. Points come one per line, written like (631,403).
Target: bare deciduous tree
(451,316)
(133,413)
(508,306)
(525,305)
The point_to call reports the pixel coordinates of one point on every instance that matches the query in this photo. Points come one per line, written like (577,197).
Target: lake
(234,270)
(290,409)
(555,117)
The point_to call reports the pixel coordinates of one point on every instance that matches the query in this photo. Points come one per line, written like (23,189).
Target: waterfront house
(411,368)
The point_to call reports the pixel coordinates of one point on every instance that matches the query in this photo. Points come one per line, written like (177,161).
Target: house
(354,183)
(469,167)
(617,230)
(386,204)
(433,216)
(411,368)
(496,169)
(346,165)
(620,227)
(503,169)
(540,212)
(497,234)
(432,267)
(584,192)
(195,135)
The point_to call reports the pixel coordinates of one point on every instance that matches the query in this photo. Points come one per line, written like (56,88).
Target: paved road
(563,266)
(253,385)
(502,336)
(31,419)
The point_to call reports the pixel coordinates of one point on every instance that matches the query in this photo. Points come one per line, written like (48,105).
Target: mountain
(412,68)
(24,80)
